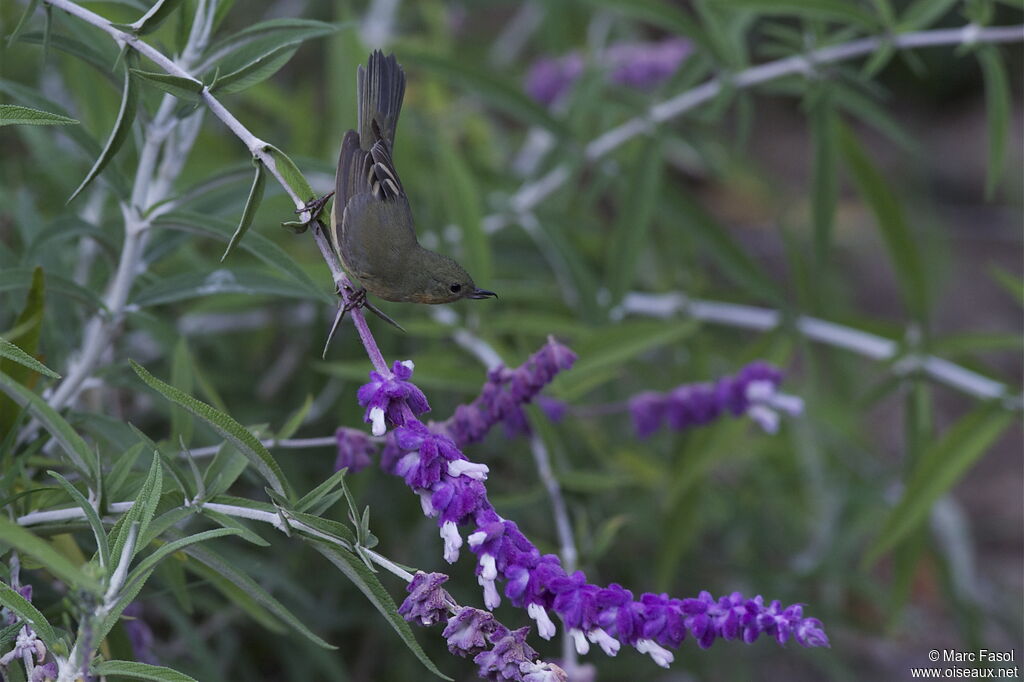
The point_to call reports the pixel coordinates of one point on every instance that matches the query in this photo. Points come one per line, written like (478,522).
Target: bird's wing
(349,180)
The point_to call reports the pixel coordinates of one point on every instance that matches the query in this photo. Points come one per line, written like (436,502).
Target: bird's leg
(315,206)
(350,300)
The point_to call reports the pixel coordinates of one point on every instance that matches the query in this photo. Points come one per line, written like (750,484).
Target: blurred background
(785,196)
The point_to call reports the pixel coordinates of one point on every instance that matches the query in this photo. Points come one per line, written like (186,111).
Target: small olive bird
(371,222)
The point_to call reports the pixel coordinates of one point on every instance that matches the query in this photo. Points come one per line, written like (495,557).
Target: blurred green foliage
(832,512)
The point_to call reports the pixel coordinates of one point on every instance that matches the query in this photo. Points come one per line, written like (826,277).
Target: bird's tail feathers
(381,87)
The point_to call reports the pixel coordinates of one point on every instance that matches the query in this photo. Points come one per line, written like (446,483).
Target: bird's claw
(314,207)
(351,300)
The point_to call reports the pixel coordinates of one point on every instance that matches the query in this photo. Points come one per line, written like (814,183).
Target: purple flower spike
(354,450)
(552,408)
(44,673)
(549,79)
(468,631)
(427,602)
(384,398)
(753,391)
(509,653)
(506,391)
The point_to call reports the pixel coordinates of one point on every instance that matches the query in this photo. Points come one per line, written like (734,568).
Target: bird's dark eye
(455,288)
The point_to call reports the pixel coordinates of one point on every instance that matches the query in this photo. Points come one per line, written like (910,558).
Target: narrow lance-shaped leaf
(122,127)
(290,172)
(141,511)
(997,110)
(140,671)
(152,19)
(629,236)
(368,583)
(93,518)
(24,609)
(899,240)
(11,352)
(254,72)
(30,9)
(12,114)
(226,426)
(26,332)
(183,88)
(939,468)
(76,449)
(249,212)
(25,542)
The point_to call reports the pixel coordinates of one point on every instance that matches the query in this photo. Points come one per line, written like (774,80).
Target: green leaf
(664,14)
(185,89)
(17,279)
(141,511)
(317,493)
(265,37)
(997,110)
(11,352)
(903,250)
(152,19)
(56,563)
(938,470)
(98,59)
(227,427)
(249,212)
(923,13)
(842,11)
(78,452)
(142,572)
(27,329)
(200,284)
(633,221)
(256,71)
(12,114)
(140,671)
(244,531)
(103,547)
(368,583)
(183,379)
(296,420)
(23,608)
(256,244)
(225,468)
(30,9)
(290,172)
(1011,283)
(253,590)
(501,93)
(122,128)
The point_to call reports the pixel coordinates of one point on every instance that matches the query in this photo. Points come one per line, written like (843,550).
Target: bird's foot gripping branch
(451,489)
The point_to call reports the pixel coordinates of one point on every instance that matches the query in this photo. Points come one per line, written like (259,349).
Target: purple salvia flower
(427,602)
(550,78)
(354,450)
(540,671)
(753,391)
(140,635)
(646,65)
(384,397)
(509,653)
(506,391)
(635,65)
(44,673)
(468,631)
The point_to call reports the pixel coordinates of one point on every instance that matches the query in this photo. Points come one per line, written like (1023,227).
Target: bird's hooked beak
(482,293)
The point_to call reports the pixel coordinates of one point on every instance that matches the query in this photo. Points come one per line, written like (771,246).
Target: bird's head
(442,280)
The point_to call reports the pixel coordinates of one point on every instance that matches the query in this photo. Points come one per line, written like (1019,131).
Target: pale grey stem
(530,194)
(513,37)
(822,331)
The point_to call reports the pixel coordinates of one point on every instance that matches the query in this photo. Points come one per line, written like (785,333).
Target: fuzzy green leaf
(997,110)
(24,609)
(11,352)
(251,204)
(290,172)
(56,563)
(12,114)
(91,516)
(157,14)
(122,127)
(256,71)
(183,88)
(140,671)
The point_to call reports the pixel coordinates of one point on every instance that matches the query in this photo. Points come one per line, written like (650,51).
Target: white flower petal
(452,541)
(580,640)
(659,654)
(377,419)
(608,644)
(545,628)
